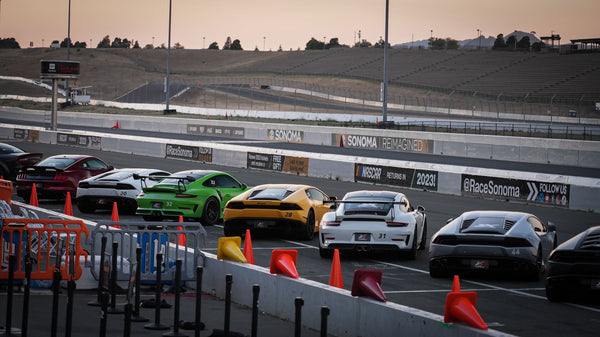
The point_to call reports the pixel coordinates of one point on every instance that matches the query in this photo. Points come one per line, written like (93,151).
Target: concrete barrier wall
(583,191)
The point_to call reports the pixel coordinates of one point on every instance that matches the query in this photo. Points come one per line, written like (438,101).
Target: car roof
(372,194)
(71,156)
(293,187)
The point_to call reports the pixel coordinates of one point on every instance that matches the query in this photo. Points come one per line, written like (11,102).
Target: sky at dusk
(269,24)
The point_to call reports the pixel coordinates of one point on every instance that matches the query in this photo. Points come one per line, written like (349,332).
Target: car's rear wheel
(325,252)
(232,230)
(85,206)
(423,243)
(538,267)
(412,253)
(308,230)
(554,294)
(210,213)
(436,270)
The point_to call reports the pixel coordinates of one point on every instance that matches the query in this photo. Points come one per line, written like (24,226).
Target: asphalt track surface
(506,304)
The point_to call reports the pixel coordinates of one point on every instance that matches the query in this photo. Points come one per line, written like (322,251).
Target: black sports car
(12,159)
(574,267)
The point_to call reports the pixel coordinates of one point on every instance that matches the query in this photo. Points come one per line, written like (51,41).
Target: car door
(317,199)
(228,187)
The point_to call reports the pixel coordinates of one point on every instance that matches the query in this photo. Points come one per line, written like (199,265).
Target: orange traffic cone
(248,253)
(341,141)
(33,200)
(229,249)
(283,261)
(335,279)
(367,283)
(460,307)
(115,215)
(116,126)
(180,237)
(68,207)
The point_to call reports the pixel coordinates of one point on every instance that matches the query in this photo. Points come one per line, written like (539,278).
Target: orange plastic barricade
(6,190)
(46,241)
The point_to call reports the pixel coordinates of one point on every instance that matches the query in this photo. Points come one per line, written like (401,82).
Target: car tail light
(332,223)
(516,242)
(84,184)
(396,224)
(124,187)
(286,206)
(183,195)
(60,176)
(235,205)
(445,240)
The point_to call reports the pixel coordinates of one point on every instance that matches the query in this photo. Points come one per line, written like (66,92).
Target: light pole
(153,42)
(168,63)
(385,62)
(478,38)
(203,40)
(68,50)
(264,43)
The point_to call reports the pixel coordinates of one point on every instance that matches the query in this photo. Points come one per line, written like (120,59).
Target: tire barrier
(43,240)
(152,238)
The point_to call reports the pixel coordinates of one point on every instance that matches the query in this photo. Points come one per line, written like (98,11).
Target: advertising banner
(275,162)
(79,140)
(516,189)
(290,136)
(397,176)
(383,143)
(211,130)
(176,151)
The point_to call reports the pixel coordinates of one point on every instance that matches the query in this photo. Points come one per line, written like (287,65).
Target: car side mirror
(551,227)
(244,186)
(420,209)
(136,176)
(333,207)
(110,167)
(332,198)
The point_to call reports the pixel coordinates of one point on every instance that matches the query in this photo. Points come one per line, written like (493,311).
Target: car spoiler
(31,169)
(180,181)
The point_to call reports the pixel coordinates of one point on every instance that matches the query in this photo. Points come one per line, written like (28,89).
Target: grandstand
(517,76)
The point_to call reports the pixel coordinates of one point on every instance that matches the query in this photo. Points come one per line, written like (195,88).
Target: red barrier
(46,238)
(6,190)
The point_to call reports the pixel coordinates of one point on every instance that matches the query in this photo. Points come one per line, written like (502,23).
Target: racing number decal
(381,236)
(287,214)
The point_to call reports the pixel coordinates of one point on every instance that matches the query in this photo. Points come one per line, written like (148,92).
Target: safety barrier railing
(175,240)
(6,190)
(45,242)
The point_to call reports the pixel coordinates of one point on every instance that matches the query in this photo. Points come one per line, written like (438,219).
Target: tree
(314,44)
(363,44)
(334,42)
(149,46)
(524,43)
(136,45)
(511,42)
(451,44)
(64,43)
(236,45)
(78,44)
(227,44)
(256,48)
(214,45)
(105,43)
(279,49)
(499,43)
(435,43)
(178,46)
(9,43)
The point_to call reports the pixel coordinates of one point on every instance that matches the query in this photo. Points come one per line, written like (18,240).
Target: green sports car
(193,194)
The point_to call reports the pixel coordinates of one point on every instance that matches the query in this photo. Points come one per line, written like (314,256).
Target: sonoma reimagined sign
(516,189)
(383,143)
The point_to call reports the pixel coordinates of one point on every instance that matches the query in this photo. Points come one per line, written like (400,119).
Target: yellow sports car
(293,209)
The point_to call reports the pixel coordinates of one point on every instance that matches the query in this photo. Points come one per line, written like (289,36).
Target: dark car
(12,159)
(574,268)
(55,176)
(486,241)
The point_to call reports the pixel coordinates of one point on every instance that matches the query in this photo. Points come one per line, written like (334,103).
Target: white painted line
(447,290)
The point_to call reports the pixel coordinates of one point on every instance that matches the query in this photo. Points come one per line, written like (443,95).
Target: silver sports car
(373,221)
(492,241)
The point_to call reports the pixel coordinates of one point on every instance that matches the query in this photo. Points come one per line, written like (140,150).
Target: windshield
(59,163)
(364,204)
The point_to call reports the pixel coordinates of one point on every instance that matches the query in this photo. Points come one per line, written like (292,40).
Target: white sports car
(101,191)
(373,220)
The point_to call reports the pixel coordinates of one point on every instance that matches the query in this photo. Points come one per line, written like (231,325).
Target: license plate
(595,284)
(101,201)
(362,237)
(157,205)
(480,264)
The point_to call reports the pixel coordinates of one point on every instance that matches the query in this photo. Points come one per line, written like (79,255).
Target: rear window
(270,194)
(7,148)
(368,205)
(59,163)
(483,225)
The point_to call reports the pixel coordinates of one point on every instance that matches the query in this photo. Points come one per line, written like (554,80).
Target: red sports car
(55,176)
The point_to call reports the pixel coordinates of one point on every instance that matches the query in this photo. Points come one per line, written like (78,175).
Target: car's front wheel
(412,253)
(423,243)
(210,213)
